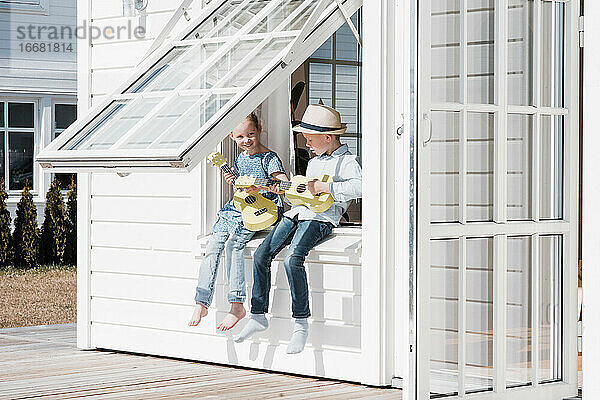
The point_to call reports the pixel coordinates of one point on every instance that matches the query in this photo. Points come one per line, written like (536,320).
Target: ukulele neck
(268,182)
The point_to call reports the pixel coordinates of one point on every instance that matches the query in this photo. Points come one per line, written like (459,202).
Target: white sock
(299,336)
(257,323)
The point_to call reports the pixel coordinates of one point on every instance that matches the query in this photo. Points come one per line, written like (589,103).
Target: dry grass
(41,296)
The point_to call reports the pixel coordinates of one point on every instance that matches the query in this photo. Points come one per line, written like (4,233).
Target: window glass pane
(20,160)
(2,156)
(226,21)
(520,52)
(518,311)
(162,77)
(550,308)
(187,126)
(64,180)
(239,65)
(551,166)
(236,21)
(20,115)
(480,166)
(213,20)
(279,15)
(518,164)
(443,364)
(480,51)
(479,317)
(444,166)
(346,46)
(445,51)
(347,95)
(321,86)
(1,114)
(325,51)
(165,118)
(113,122)
(553,53)
(64,115)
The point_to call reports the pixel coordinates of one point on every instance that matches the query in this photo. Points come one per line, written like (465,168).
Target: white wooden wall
(54,72)
(142,253)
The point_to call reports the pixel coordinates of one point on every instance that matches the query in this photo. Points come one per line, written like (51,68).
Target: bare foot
(199,312)
(236,313)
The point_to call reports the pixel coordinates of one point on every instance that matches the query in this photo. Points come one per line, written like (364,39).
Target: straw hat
(320,119)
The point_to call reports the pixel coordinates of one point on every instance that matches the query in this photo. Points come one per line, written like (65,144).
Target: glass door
(496,223)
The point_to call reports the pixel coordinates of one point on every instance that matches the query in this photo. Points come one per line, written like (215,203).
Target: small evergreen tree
(71,245)
(53,233)
(26,235)
(5,229)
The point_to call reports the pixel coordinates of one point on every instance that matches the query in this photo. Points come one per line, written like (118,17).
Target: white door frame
(500,229)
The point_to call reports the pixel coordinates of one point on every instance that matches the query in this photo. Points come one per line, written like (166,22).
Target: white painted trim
(378,208)
(401,168)
(84,82)
(84,328)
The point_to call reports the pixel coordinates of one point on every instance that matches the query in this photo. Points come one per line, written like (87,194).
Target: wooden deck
(42,362)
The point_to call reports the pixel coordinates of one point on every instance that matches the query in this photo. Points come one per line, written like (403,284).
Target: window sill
(343,246)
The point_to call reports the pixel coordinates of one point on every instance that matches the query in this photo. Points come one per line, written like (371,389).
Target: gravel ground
(40,296)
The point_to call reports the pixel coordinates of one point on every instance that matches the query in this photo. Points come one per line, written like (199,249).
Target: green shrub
(26,235)
(71,246)
(5,229)
(54,235)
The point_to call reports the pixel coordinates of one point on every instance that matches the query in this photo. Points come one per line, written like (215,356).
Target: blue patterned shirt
(260,165)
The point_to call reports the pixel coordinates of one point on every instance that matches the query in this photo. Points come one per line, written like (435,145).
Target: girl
(258,161)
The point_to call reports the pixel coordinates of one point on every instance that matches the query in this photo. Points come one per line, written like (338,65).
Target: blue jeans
(234,264)
(302,236)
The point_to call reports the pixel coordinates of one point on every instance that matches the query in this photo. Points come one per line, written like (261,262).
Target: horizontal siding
(41,71)
(314,360)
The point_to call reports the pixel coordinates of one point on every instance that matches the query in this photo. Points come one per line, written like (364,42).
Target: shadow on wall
(335,306)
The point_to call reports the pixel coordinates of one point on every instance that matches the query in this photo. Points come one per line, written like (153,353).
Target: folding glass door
(496,225)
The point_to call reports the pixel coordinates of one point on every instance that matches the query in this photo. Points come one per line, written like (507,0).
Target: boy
(301,228)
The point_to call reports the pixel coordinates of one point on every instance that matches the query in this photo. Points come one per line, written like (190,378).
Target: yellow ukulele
(258,212)
(296,190)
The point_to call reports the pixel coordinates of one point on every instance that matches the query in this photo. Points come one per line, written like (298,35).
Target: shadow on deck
(43,362)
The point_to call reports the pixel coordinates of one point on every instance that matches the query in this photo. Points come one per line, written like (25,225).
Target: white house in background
(38,89)
(458,277)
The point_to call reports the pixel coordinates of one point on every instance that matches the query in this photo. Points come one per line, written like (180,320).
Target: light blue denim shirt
(346,172)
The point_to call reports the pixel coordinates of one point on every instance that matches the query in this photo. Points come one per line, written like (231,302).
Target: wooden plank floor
(42,362)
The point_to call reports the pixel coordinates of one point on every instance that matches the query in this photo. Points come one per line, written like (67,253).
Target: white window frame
(25,7)
(502,228)
(35,189)
(190,153)
(334,62)
(53,130)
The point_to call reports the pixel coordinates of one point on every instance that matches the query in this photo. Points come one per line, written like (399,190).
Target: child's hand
(275,188)
(251,189)
(230,178)
(316,186)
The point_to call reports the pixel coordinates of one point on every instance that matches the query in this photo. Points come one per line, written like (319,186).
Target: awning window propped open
(183,100)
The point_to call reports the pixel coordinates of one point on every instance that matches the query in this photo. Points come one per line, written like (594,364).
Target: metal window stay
(264,33)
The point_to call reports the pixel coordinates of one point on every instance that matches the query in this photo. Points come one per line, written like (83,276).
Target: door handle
(430,124)
(400,129)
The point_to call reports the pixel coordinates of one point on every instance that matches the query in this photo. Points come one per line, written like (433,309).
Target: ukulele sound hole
(260,212)
(250,199)
(301,188)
